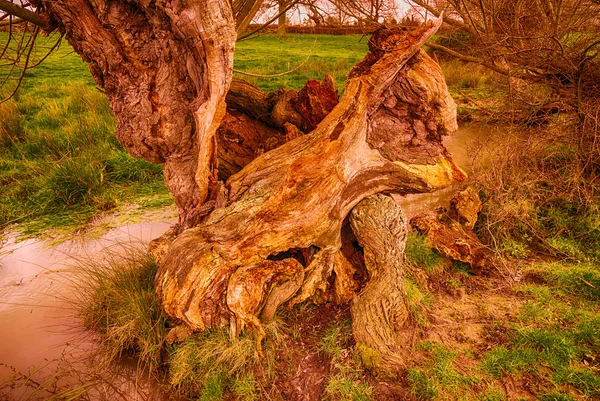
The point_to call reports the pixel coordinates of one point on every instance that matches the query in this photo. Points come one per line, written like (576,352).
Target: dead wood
(451,233)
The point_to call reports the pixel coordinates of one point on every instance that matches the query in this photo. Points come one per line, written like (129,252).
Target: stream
(39,330)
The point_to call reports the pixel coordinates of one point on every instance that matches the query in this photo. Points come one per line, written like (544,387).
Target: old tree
(275,191)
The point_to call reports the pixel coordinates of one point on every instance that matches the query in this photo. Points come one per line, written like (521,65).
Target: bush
(538,194)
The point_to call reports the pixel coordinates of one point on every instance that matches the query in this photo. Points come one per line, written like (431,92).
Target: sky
(297,16)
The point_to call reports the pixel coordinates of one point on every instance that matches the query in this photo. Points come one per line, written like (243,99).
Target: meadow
(529,331)
(60,163)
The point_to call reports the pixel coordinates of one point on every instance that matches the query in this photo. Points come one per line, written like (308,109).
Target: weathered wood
(451,233)
(257,122)
(379,313)
(298,195)
(272,233)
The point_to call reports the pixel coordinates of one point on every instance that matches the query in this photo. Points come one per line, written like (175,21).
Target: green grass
(60,163)
(420,254)
(210,364)
(270,54)
(557,339)
(118,301)
(437,378)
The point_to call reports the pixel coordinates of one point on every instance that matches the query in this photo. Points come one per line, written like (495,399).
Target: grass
(118,301)
(210,364)
(269,54)
(419,253)
(346,381)
(557,338)
(60,163)
(437,377)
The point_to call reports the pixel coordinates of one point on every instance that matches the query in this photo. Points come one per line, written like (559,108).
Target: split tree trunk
(383,136)
(272,233)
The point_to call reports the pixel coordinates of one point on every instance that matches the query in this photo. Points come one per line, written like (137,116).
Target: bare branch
(246,12)
(25,14)
(7,23)
(470,59)
(269,22)
(447,19)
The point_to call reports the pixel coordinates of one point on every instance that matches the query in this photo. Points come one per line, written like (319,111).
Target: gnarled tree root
(383,136)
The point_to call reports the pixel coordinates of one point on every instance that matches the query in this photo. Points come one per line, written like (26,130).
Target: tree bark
(282,20)
(272,234)
(165,67)
(379,313)
(383,136)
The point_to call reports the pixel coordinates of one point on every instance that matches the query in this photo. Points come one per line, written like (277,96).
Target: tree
(367,11)
(277,230)
(554,43)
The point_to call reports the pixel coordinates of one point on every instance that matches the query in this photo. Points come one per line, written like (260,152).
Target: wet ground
(38,285)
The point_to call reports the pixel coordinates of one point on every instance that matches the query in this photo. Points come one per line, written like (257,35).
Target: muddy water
(38,327)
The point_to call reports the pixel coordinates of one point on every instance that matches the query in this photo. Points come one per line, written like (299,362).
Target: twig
(273,75)
(281,73)
(590,284)
(292,4)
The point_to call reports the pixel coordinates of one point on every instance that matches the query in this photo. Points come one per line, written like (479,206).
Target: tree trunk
(379,313)
(272,234)
(165,67)
(282,20)
(279,230)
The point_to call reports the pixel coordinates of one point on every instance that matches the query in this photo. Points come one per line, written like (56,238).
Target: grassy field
(270,54)
(60,163)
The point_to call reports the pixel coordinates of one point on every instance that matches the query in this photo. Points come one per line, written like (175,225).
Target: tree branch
(24,14)
(470,59)
(292,4)
(7,23)
(447,19)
